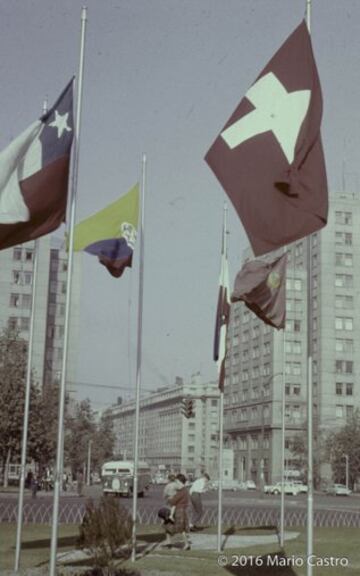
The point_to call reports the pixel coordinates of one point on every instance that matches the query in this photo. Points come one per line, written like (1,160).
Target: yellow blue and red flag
(111,233)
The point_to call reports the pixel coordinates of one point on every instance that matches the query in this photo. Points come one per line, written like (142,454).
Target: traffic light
(188,408)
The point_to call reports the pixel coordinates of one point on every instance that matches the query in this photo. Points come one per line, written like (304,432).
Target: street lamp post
(346,469)
(88,475)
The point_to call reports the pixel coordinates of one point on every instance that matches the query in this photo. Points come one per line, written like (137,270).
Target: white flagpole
(282,500)
(138,360)
(60,438)
(310,479)
(26,414)
(221,409)
(27,402)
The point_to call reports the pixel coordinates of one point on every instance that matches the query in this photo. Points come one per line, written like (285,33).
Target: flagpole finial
(84,13)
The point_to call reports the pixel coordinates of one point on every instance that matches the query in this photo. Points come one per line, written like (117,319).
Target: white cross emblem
(276,110)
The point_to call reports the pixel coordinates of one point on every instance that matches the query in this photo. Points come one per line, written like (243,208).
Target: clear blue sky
(162,77)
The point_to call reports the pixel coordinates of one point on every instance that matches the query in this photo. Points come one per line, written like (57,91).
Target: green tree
(299,450)
(103,441)
(80,429)
(41,439)
(345,442)
(13,362)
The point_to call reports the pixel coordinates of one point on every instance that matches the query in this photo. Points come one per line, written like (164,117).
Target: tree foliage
(345,442)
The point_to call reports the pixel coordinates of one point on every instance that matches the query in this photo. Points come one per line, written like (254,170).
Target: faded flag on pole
(34,174)
(262,286)
(111,233)
(269,156)
(222,317)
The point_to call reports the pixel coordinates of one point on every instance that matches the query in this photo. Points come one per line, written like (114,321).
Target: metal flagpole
(310,480)
(282,500)
(27,402)
(138,360)
(221,403)
(60,438)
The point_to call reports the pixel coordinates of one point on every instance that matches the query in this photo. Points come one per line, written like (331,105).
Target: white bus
(118,477)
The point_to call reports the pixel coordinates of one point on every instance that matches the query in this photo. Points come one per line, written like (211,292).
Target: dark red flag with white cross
(269,156)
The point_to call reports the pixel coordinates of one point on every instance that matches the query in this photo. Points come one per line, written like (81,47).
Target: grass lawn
(35,547)
(328,542)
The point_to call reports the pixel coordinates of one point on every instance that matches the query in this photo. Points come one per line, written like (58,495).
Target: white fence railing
(73,513)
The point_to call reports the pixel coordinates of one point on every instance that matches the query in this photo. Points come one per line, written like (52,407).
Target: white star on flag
(60,123)
(276,110)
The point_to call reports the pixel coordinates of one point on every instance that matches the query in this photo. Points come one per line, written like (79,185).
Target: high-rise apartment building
(16,278)
(262,362)
(167,438)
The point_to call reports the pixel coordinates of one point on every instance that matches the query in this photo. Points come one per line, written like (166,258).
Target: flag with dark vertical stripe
(222,317)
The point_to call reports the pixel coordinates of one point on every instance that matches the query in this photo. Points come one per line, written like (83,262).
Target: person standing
(197,489)
(181,522)
(80,483)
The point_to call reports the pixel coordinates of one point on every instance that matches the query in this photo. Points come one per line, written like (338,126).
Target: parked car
(233,485)
(249,485)
(339,490)
(289,488)
(303,489)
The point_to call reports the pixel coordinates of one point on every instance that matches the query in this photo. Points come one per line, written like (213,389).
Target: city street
(231,500)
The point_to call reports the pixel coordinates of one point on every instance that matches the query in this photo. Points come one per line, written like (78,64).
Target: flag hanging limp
(262,286)
(34,174)
(269,156)
(222,319)
(111,233)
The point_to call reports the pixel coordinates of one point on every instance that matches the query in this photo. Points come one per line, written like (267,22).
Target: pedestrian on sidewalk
(198,488)
(181,502)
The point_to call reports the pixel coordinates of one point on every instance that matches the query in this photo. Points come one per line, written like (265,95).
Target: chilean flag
(34,174)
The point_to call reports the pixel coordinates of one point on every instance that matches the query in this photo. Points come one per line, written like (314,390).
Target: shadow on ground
(63,542)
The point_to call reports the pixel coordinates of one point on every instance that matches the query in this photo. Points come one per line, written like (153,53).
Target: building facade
(17,276)
(167,438)
(262,362)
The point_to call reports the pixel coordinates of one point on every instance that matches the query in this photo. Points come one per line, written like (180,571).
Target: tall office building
(262,362)
(16,281)
(167,438)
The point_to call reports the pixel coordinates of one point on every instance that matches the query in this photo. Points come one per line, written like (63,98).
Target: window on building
(343,280)
(342,323)
(346,302)
(343,217)
(16,277)
(17,253)
(349,412)
(349,388)
(191,449)
(29,255)
(28,278)
(26,301)
(287,389)
(254,441)
(344,345)
(25,324)
(14,300)
(338,388)
(296,390)
(343,366)
(12,323)
(214,403)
